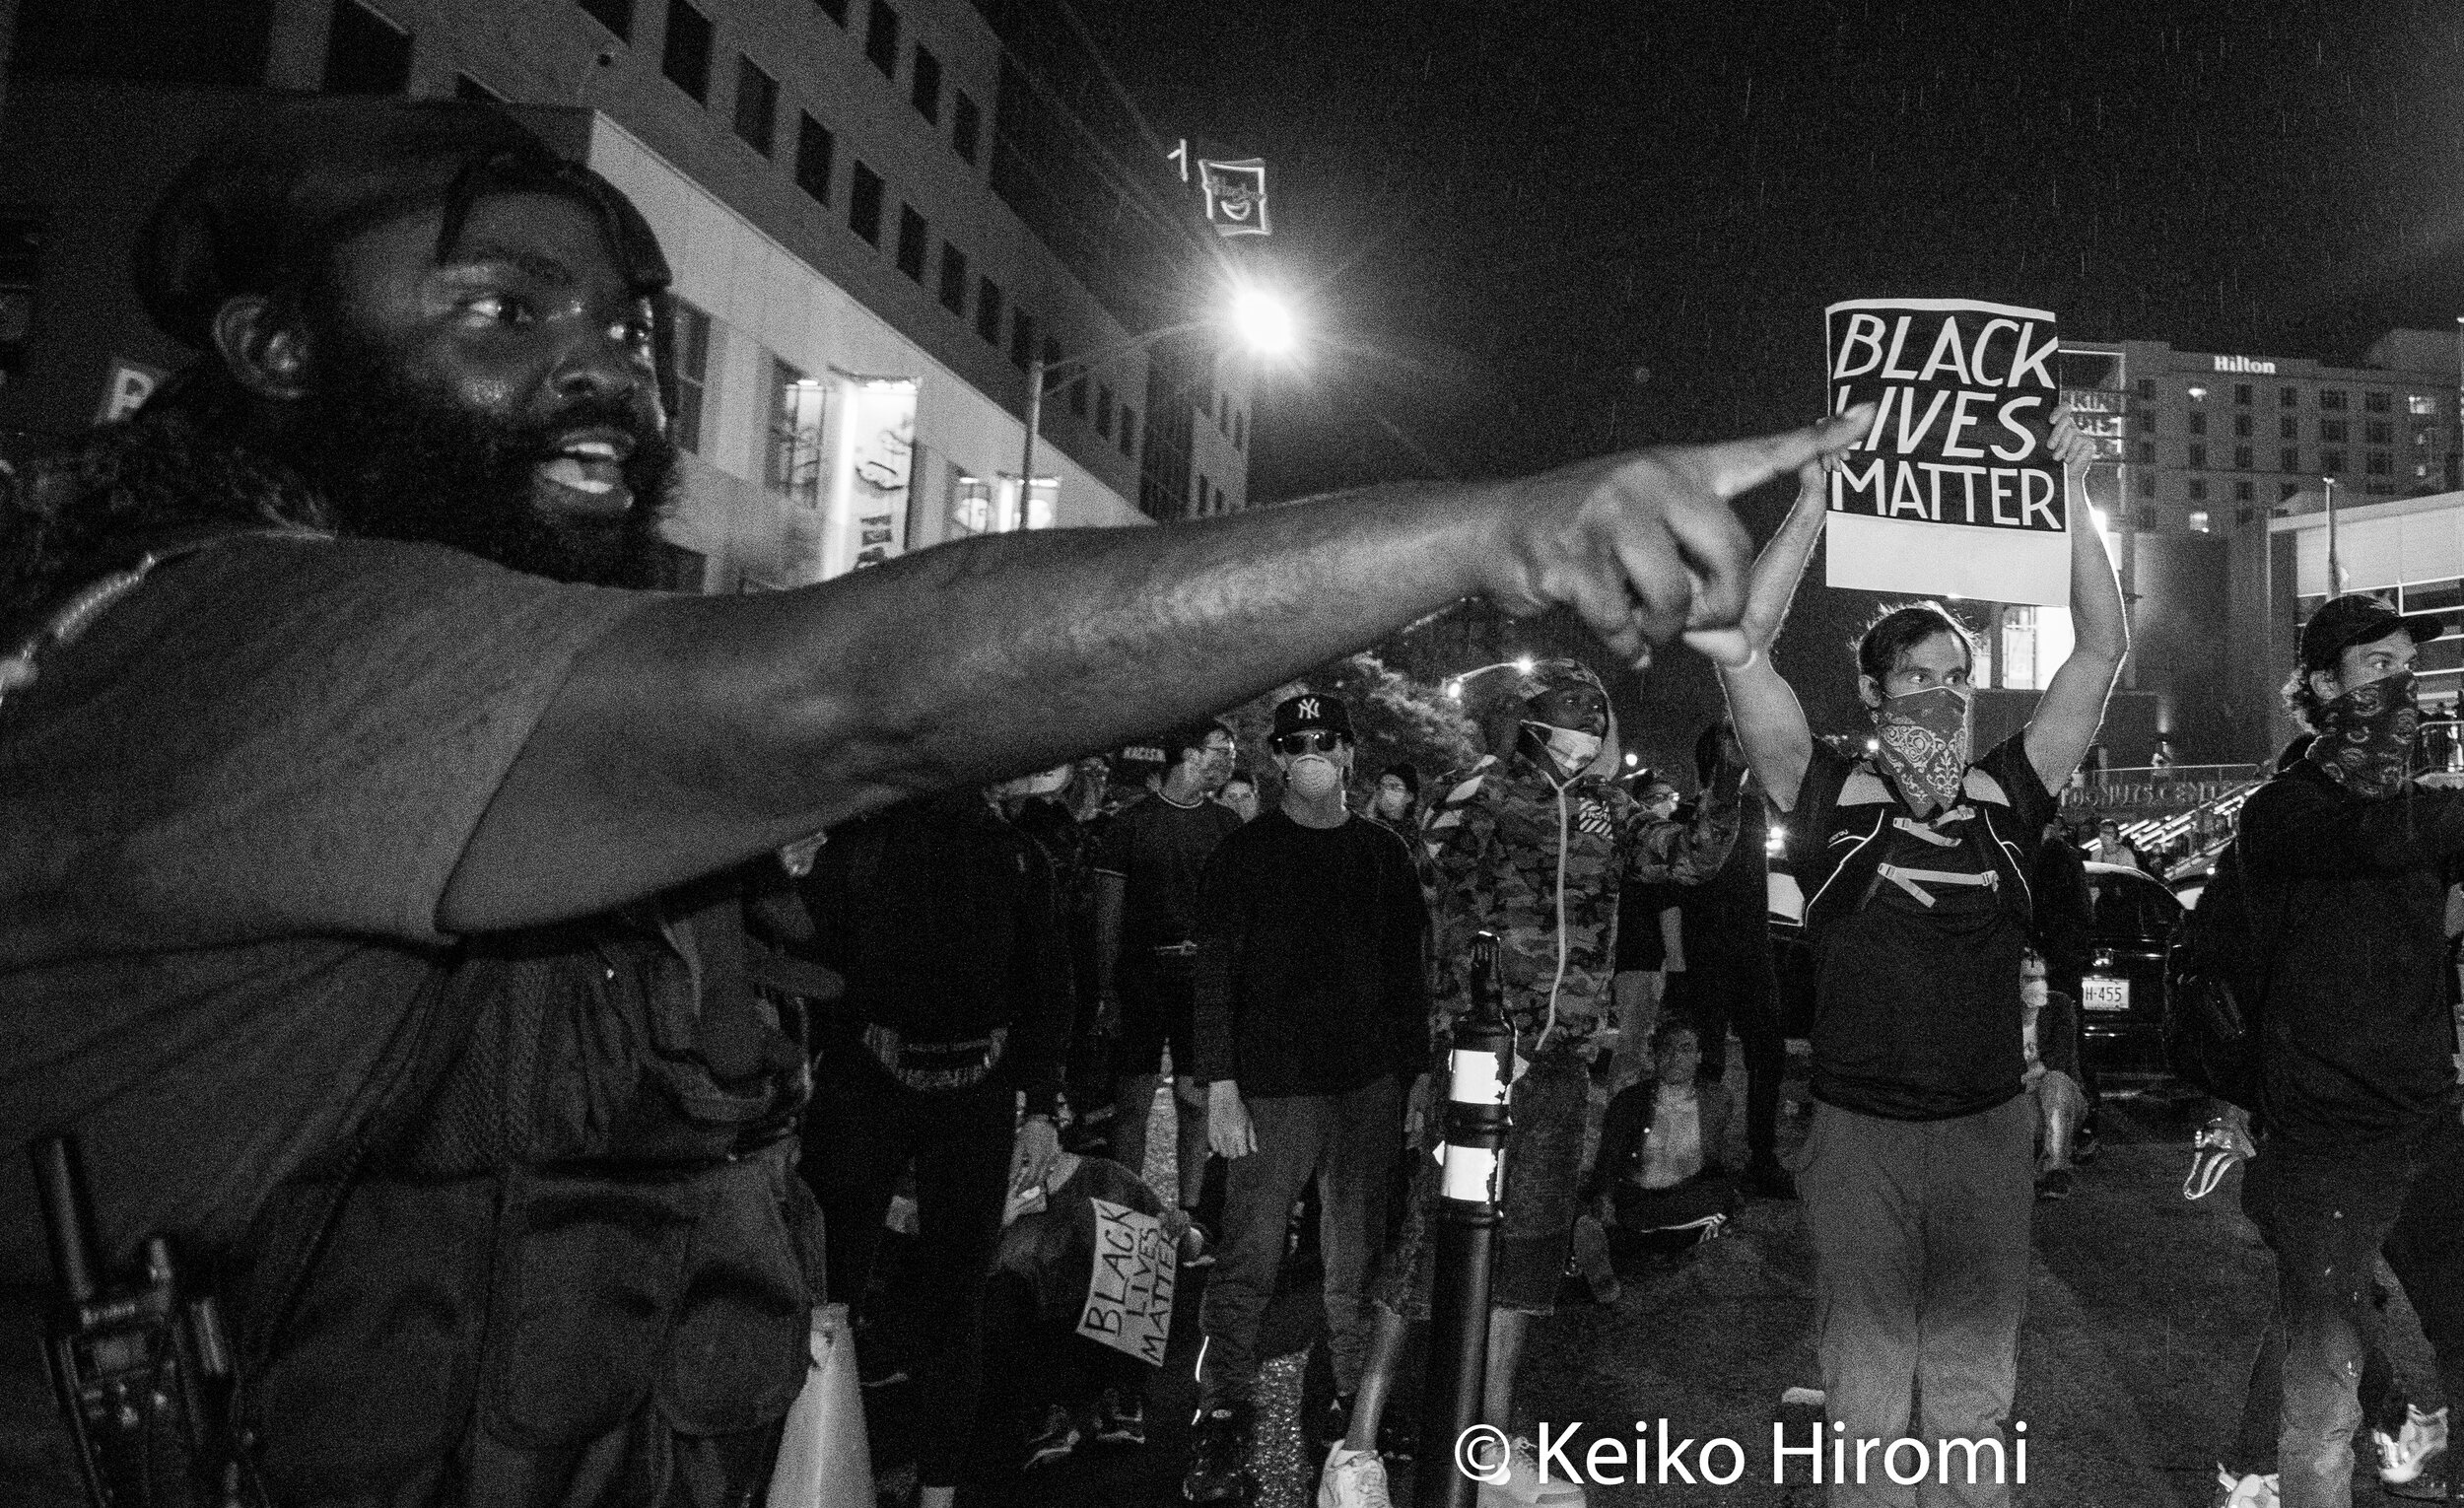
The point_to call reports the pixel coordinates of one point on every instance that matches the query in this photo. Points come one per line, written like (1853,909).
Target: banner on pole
(1128,1295)
(1952,491)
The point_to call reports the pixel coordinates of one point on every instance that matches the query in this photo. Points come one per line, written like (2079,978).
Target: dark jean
(1347,1141)
(1920,1280)
(1722,989)
(2327,1216)
(861,1130)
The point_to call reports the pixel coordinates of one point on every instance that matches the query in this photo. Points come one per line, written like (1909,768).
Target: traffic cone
(823,1459)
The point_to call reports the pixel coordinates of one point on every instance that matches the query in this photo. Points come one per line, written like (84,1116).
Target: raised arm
(2073,708)
(704,729)
(1770,724)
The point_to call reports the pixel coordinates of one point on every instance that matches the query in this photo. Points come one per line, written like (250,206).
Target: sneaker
(1119,1419)
(2056,1183)
(1352,1479)
(1050,1437)
(1765,1178)
(1590,1260)
(2411,1463)
(1218,1469)
(2218,1146)
(2247,1491)
(1198,1246)
(1523,1488)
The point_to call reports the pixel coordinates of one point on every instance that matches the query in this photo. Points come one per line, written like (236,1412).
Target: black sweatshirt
(2349,903)
(1310,976)
(941,917)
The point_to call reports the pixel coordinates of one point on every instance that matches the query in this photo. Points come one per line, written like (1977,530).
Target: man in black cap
(368,908)
(1312,1017)
(2348,864)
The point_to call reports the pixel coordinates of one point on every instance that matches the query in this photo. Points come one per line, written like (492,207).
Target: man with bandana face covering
(2348,864)
(369,904)
(1920,1176)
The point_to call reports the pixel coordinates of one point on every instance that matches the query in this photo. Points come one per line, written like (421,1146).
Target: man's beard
(396,458)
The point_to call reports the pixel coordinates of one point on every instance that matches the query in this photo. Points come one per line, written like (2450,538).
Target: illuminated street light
(1521,663)
(1263,322)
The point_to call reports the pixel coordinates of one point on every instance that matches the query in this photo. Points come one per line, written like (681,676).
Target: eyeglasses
(1309,741)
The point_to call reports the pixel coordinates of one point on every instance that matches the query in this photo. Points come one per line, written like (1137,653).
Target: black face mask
(396,458)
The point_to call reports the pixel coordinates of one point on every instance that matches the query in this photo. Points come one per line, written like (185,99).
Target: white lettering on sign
(2244,364)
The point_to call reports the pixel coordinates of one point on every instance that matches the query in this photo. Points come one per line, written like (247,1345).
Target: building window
(793,461)
(2287,397)
(954,280)
(757,106)
(2378,464)
(2199,523)
(814,147)
(2147,520)
(2332,400)
(2146,452)
(911,241)
(2198,489)
(1051,354)
(1129,432)
(2198,424)
(881,38)
(2288,428)
(2286,489)
(988,310)
(2241,458)
(966,127)
(691,348)
(615,15)
(2241,426)
(2197,456)
(364,53)
(2380,432)
(2331,461)
(925,89)
(1021,338)
(1103,410)
(863,204)
(836,10)
(2147,485)
(2332,429)
(1077,396)
(2289,459)
(2421,404)
(685,58)
(2243,492)
(2147,387)
(2376,402)
(2241,393)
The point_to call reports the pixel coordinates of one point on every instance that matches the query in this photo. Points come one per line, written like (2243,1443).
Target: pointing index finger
(1741,465)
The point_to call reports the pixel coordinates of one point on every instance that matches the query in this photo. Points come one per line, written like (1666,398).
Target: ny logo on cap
(1308,709)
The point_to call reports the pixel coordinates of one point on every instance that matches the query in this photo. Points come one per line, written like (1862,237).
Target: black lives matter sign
(1952,491)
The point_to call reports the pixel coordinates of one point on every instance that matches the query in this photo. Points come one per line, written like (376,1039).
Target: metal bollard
(1481,1065)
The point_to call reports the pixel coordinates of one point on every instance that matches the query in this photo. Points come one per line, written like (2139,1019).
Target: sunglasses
(1312,741)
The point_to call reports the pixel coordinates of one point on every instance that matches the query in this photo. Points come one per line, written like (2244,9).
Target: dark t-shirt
(1159,848)
(1309,964)
(1917,1005)
(231,810)
(1727,919)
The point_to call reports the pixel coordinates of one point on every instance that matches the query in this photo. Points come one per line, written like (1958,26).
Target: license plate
(2099,993)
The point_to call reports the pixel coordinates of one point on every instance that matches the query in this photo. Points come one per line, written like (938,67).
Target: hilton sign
(2244,364)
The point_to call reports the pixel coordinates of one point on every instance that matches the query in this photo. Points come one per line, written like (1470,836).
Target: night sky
(1525,233)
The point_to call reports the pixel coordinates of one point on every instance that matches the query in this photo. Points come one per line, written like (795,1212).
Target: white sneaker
(1352,1479)
(1523,1488)
(2402,1458)
(2249,1491)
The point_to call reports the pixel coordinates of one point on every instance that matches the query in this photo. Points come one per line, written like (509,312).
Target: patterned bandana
(2365,739)
(1924,737)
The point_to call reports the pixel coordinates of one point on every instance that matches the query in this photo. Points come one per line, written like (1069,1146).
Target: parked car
(2122,991)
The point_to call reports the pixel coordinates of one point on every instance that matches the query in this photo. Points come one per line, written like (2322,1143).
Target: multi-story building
(858,196)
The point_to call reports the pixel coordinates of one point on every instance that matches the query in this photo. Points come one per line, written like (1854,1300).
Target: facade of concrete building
(859,296)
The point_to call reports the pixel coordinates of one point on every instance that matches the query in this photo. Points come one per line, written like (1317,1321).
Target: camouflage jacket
(1494,837)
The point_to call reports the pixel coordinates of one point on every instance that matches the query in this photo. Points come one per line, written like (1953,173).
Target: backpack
(2216,986)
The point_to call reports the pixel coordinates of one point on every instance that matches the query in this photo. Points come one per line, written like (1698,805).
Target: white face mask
(1313,776)
(1573,750)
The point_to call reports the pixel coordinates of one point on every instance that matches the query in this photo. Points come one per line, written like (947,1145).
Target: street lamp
(1263,322)
(1522,663)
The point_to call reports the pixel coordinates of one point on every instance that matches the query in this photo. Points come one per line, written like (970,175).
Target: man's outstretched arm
(704,730)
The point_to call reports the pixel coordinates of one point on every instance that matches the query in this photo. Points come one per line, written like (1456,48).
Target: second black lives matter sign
(1952,491)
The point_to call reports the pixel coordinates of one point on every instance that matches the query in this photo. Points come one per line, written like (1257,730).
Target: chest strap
(1906,880)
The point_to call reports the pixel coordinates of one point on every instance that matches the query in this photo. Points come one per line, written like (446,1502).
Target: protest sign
(1128,1295)
(1952,491)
